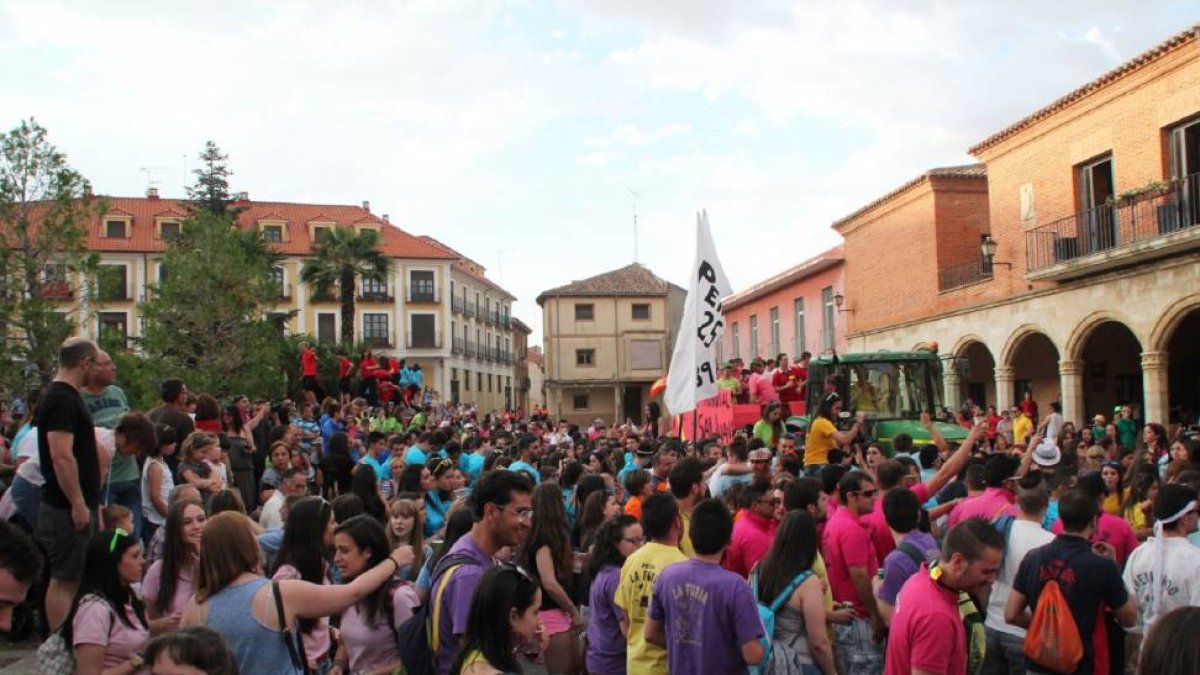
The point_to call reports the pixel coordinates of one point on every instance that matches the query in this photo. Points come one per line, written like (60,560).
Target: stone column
(1154,385)
(618,414)
(952,386)
(1004,387)
(1070,375)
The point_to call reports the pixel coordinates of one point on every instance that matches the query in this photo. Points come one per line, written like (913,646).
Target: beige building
(414,314)
(607,338)
(537,376)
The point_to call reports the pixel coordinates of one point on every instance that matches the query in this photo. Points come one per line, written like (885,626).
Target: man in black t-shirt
(71,465)
(1087,574)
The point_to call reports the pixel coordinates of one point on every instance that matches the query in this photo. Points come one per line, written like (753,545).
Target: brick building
(791,312)
(1067,264)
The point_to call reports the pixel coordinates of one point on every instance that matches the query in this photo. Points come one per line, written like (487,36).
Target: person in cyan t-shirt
(705,616)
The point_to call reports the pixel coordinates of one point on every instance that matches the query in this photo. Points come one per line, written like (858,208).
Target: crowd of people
(345,535)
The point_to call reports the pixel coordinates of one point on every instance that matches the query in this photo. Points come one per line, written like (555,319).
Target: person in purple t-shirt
(501,502)
(902,512)
(705,616)
(616,540)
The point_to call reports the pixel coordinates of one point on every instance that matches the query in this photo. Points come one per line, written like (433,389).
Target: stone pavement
(17,659)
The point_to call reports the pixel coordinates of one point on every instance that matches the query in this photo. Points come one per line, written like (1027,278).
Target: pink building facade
(790,313)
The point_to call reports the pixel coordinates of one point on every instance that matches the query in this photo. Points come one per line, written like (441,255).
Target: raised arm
(303,600)
(955,462)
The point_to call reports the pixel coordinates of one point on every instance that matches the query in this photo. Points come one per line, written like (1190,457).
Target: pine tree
(211,191)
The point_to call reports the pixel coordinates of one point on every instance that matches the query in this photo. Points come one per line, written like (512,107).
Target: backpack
(766,614)
(417,639)
(1052,640)
(55,656)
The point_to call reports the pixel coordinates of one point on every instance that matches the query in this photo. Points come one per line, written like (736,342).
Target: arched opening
(1183,370)
(1035,369)
(977,374)
(1112,370)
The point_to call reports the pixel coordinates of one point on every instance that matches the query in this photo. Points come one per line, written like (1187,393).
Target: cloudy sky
(515,131)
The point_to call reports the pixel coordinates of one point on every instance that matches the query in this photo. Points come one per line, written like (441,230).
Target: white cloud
(1096,37)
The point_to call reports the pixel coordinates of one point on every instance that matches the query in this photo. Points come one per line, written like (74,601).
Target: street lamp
(988,246)
(838,301)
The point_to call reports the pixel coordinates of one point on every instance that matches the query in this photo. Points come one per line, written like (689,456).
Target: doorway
(631,404)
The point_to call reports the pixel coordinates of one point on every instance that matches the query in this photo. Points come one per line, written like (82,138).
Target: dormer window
(169,230)
(272,234)
(114,228)
(320,231)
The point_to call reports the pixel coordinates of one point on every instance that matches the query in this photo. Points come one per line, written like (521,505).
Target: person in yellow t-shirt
(1022,427)
(823,436)
(663,526)
(687,486)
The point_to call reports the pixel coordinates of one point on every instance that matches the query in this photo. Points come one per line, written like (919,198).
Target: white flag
(693,373)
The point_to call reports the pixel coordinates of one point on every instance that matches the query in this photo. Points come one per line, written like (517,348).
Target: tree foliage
(338,259)
(209,321)
(211,191)
(47,273)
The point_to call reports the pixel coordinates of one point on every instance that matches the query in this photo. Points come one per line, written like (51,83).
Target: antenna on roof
(150,171)
(636,196)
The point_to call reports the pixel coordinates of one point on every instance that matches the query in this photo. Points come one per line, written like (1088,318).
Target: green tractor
(891,388)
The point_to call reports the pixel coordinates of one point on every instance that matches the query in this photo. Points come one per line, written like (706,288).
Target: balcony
(505,322)
(458,305)
(1155,224)
(419,296)
(471,310)
(57,290)
(376,295)
(377,341)
(424,341)
(469,349)
(963,274)
(456,346)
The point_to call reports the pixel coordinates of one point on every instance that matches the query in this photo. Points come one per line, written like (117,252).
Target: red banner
(712,417)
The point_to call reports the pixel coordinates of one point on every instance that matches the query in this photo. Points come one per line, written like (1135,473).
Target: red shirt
(752,537)
(845,543)
(366,367)
(1110,529)
(308,362)
(780,381)
(927,632)
(881,534)
(993,503)
(344,367)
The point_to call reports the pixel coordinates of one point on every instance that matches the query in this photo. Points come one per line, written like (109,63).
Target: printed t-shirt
(708,613)
(1022,538)
(62,409)
(1110,529)
(106,410)
(184,586)
(456,599)
(1089,582)
(898,566)
(633,596)
(819,441)
(845,544)
(1181,577)
(927,631)
(96,624)
(605,644)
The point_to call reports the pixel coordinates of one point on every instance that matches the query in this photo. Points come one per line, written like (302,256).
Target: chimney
(243,196)
(366,205)
(386,219)
(152,193)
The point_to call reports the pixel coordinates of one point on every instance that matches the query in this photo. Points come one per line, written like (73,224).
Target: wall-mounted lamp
(988,246)
(838,301)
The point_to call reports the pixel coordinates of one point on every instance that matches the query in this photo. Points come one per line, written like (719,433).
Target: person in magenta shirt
(851,562)
(1109,529)
(997,499)
(927,634)
(755,530)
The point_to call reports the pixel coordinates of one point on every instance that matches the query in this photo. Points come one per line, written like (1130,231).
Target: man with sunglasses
(851,561)
(755,530)
(501,506)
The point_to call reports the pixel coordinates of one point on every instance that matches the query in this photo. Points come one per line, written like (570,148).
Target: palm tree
(339,257)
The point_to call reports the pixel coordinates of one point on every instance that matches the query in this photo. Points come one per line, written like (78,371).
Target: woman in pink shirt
(169,581)
(107,624)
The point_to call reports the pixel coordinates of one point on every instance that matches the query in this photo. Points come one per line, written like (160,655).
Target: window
(585,357)
(369,234)
(645,355)
(580,401)
(57,284)
(162,272)
(489,383)
(375,329)
(279,278)
(113,327)
(420,286)
(798,310)
(466,380)
(424,331)
(479,382)
(327,328)
(320,232)
(641,311)
(169,230)
(1096,205)
(114,229)
(272,234)
(375,289)
(827,314)
(111,283)
(737,342)
(754,346)
(774,314)
(1184,145)
(585,312)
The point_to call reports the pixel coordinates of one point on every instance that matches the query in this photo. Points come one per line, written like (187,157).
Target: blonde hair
(228,549)
(404,508)
(196,442)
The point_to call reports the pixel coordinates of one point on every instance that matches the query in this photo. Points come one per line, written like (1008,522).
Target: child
(194,469)
(115,516)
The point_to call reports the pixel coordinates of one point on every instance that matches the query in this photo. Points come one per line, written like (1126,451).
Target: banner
(712,417)
(693,374)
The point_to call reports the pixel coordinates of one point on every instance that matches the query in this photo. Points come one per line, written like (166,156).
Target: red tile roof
(813,265)
(1176,41)
(962,171)
(631,280)
(468,266)
(143,211)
